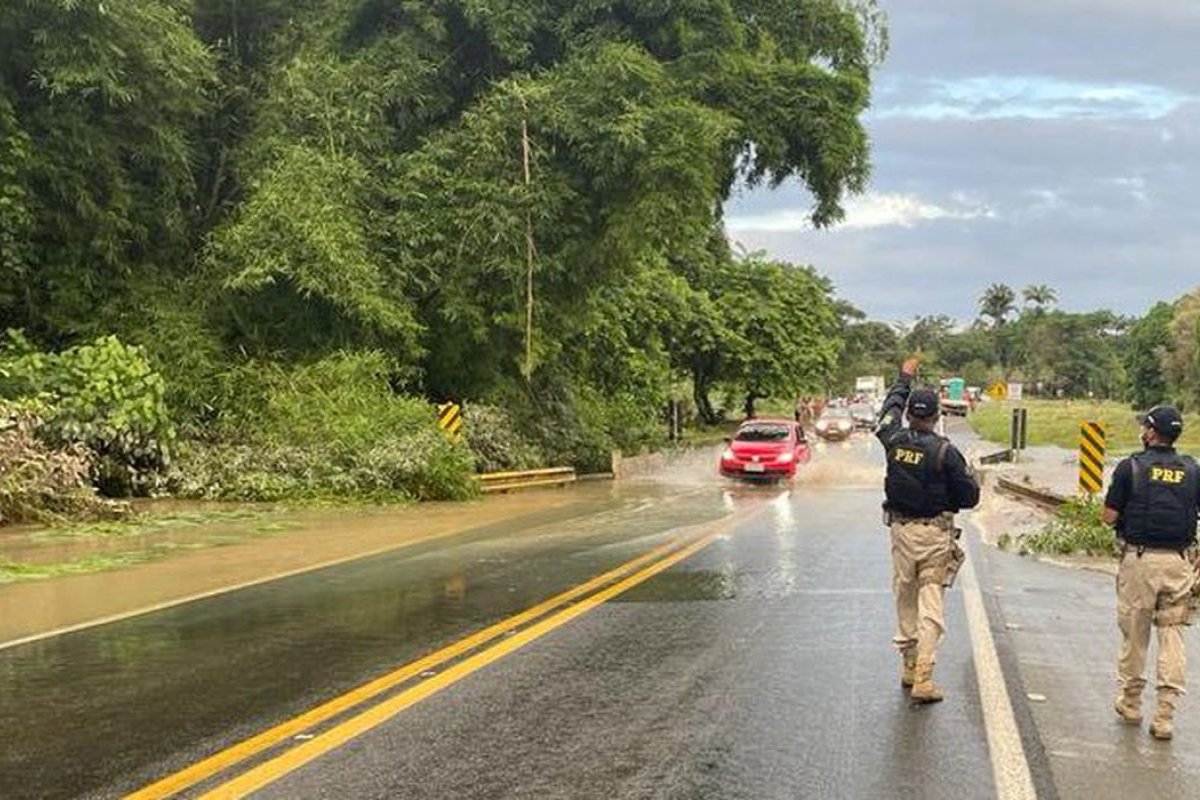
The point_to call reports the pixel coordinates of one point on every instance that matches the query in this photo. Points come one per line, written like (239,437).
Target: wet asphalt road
(759,668)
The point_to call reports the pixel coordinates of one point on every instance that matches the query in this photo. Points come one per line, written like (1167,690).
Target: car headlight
(728,454)
(822,425)
(785,458)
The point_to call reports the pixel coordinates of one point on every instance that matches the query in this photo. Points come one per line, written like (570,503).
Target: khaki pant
(1153,589)
(920,554)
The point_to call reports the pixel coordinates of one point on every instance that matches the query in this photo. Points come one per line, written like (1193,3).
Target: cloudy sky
(1016,141)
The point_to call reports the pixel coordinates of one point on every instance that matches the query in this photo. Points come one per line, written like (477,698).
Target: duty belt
(937,519)
(1146,548)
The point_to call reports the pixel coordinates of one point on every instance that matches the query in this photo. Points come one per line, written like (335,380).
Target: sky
(1023,142)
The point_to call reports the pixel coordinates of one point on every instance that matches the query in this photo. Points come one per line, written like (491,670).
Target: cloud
(1006,150)
(871,210)
(1024,97)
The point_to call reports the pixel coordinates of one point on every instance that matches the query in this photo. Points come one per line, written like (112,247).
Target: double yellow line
(515,636)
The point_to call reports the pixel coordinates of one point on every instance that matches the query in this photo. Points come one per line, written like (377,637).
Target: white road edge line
(192,598)
(1010,767)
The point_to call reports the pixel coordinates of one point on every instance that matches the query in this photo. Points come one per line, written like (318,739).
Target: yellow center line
(335,737)
(202,770)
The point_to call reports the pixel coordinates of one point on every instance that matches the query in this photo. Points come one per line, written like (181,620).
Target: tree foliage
(279,185)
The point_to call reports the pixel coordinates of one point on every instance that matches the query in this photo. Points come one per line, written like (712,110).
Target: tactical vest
(1161,511)
(915,485)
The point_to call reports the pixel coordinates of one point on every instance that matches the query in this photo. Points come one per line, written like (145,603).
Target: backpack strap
(1138,473)
(939,461)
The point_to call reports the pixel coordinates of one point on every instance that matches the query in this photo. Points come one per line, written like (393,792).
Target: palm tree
(997,302)
(1040,297)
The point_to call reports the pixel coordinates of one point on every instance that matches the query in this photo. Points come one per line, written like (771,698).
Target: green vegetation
(247,245)
(1056,422)
(1075,529)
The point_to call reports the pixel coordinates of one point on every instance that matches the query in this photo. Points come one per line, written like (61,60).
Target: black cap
(923,403)
(1164,419)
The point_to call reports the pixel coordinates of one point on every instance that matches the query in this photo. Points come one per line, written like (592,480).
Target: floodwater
(107,709)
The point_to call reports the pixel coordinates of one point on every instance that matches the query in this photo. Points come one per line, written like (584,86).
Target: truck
(955,399)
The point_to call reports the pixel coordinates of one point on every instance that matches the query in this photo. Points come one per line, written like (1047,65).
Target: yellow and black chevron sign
(450,419)
(1092,444)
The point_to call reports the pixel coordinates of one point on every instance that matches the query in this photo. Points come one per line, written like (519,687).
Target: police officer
(927,482)
(1152,503)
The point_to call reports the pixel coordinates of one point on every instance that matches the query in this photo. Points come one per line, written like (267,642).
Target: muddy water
(106,709)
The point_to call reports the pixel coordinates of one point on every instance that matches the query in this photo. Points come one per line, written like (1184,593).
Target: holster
(955,560)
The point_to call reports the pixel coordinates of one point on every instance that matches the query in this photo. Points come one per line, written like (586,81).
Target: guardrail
(1038,497)
(1003,457)
(526,479)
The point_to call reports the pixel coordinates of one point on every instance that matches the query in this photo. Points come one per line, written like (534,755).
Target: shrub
(329,429)
(103,395)
(40,483)
(1076,528)
(495,441)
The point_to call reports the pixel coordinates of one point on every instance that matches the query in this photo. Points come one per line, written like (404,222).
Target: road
(738,648)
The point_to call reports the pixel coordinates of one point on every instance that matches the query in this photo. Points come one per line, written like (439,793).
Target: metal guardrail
(526,479)
(1002,457)
(1038,497)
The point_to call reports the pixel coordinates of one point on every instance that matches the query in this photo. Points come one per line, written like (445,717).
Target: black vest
(916,478)
(1161,511)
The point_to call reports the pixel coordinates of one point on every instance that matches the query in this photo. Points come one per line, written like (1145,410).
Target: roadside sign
(998,391)
(1015,390)
(450,419)
(1092,443)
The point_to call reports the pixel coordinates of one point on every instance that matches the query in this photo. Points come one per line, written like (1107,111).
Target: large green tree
(1146,351)
(99,104)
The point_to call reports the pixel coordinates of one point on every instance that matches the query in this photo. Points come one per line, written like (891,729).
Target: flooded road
(739,648)
(103,710)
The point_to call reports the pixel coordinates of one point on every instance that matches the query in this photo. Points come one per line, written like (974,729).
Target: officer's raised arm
(891,416)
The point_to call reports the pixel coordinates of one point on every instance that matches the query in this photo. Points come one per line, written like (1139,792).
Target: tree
(927,333)
(996,303)
(775,331)
(1146,351)
(98,102)
(1040,297)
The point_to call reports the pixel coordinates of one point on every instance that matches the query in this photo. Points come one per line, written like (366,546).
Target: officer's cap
(923,404)
(1164,419)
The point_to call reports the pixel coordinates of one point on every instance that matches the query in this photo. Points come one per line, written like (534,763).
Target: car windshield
(762,432)
(837,413)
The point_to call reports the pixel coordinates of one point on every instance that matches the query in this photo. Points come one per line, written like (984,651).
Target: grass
(1056,422)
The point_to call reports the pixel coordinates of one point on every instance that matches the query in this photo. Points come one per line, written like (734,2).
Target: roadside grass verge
(1056,422)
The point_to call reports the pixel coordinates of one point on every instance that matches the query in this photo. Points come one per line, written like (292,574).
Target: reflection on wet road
(107,710)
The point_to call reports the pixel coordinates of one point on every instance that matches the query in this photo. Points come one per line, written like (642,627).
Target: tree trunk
(704,408)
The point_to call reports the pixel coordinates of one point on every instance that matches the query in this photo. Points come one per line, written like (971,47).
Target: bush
(495,441)
(582,428)
(1076,528)
(103,395)
(329,429)
(39,483)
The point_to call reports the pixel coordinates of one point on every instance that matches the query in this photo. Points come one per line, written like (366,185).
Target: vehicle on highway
(835,423)
(765,449)
(864,415)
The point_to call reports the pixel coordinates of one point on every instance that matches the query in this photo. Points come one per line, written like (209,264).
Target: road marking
(271,771)
(207,768)
(1010,767)
(205,595)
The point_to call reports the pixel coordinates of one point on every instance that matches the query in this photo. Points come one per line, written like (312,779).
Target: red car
(765,449)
